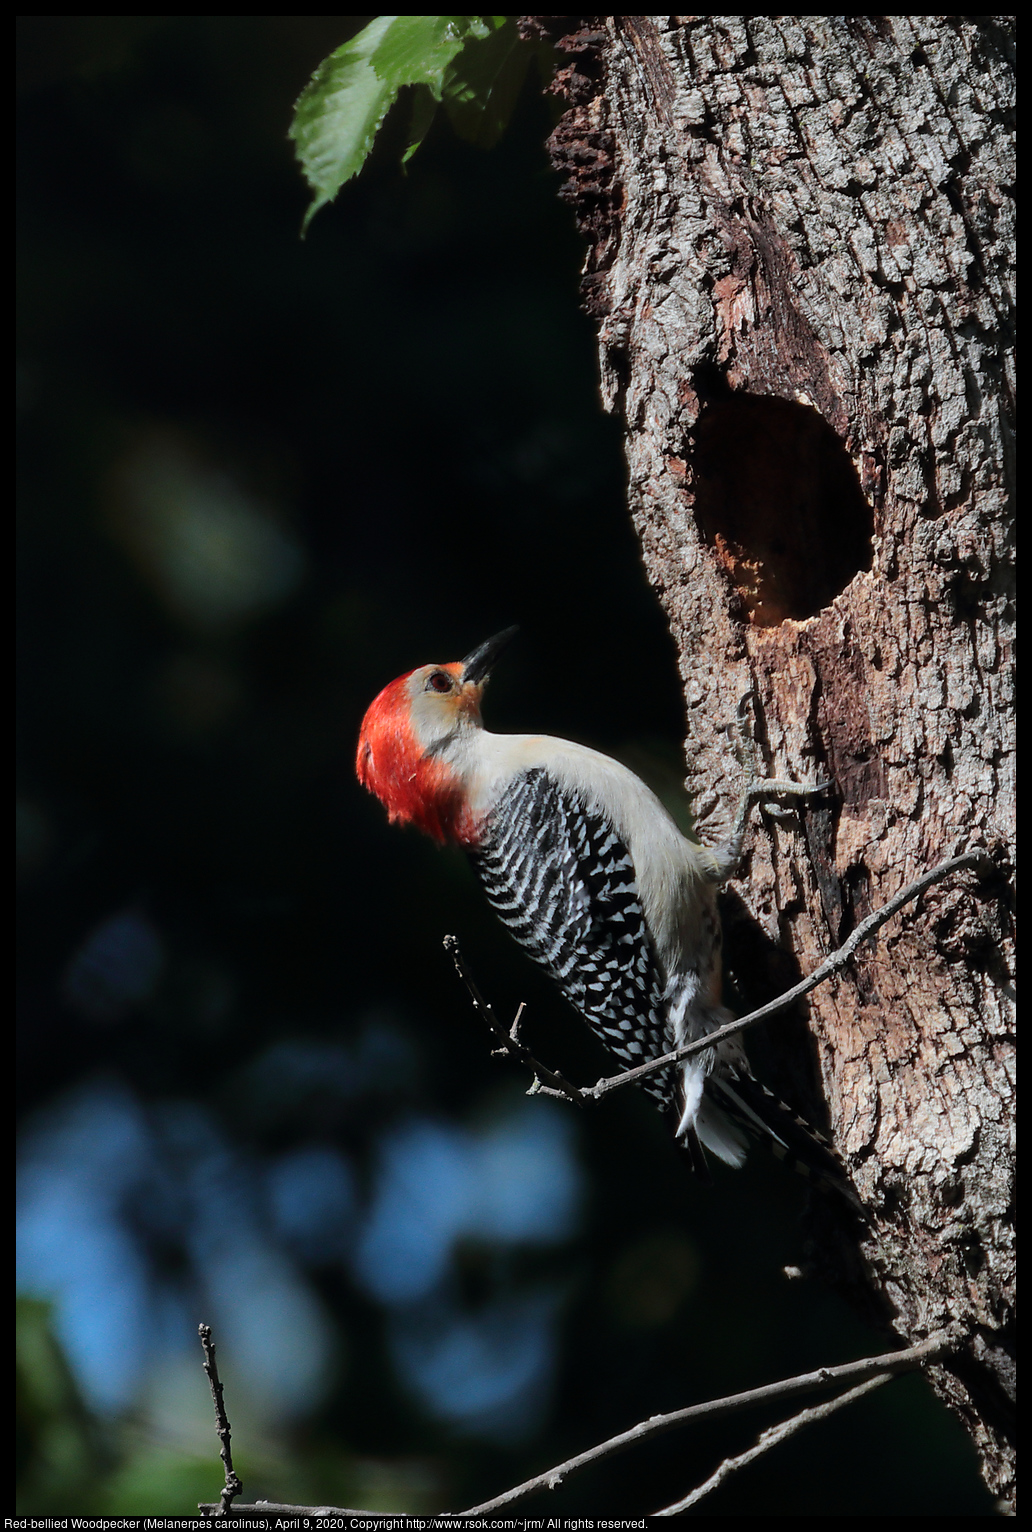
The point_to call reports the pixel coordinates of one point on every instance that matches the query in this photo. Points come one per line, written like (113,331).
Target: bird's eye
(439,682)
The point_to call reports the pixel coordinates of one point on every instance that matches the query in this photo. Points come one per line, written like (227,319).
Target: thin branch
(509,1040)
(873,1367)
(233,1486)
(890,1364)
(831,965)
(561,1087)
(772,1438)
(273,1508)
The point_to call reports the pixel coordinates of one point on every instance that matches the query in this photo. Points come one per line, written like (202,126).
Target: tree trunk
(799,248)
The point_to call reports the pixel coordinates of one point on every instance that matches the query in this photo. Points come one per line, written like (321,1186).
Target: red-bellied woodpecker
(589,873)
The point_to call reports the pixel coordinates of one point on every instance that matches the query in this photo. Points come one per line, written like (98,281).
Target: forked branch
(868,1373)
(559,1086)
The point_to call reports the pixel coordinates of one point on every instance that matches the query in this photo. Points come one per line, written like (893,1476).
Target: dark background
(259,477)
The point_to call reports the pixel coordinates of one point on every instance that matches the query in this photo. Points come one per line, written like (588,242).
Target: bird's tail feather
(753,1107)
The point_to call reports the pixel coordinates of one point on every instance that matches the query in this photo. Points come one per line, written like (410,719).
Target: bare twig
(562,1088)
(233,1486)
(273,1508)
(890,1364)
(509,1041)
(831,965)
(877,1368)
(772,1437)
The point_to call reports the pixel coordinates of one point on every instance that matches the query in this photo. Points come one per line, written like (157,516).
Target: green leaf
(416,50)
(424,110)
(473,63)
(338,115)
(483,83)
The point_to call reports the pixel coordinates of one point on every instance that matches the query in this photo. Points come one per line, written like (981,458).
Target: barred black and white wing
(562,881)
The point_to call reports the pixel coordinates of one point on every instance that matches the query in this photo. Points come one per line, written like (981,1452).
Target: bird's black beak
(477,666)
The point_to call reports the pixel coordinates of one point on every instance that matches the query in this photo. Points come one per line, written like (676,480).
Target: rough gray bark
(800,239)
